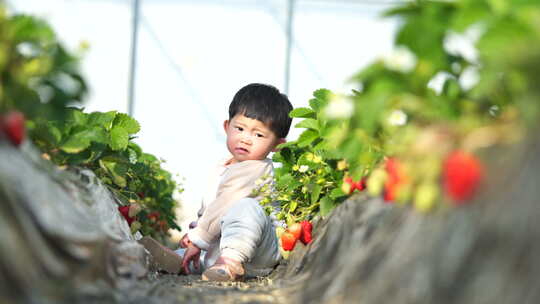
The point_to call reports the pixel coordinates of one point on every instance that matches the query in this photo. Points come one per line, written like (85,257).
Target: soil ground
(166,288)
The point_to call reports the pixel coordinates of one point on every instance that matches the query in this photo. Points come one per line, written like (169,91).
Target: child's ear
(279,142)
(225,125)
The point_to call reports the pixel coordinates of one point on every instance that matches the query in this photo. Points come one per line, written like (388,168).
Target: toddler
(233,237)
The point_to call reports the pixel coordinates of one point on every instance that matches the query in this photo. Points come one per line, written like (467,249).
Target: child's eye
(239,128)
(259,135)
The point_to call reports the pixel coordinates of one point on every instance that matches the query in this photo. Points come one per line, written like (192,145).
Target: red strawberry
(348,185)
(296,230)
(288,240)
(12,124)
(360,185)
(306,232)
(393,166)
(396,178)
(153,216)
(462,174)
(390,192)
(124,210)
(163,225)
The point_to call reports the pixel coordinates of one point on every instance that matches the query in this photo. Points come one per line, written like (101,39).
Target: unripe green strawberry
(135,226)
(430,168)
(425,196)
(375,182)
(279,231)
(404,193)
(342,165)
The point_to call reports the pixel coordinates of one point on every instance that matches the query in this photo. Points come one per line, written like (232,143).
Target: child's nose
(246,139)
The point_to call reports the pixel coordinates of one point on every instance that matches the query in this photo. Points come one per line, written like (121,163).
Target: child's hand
(193,253)
(184,241)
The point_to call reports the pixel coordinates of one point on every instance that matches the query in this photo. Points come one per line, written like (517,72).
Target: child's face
(249,139)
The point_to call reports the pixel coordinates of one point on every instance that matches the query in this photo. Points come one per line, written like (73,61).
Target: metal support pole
(132,67)
(290,14)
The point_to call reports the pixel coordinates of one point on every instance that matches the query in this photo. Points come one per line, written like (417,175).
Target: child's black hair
(264,103)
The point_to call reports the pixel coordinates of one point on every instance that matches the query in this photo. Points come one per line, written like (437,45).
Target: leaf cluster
(42,79)
(420,103)
(102,142)
(308,182)
(39,76)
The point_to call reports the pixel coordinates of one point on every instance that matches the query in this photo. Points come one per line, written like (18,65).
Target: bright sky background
(194,55)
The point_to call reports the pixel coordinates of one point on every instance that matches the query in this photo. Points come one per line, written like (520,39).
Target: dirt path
(169,289)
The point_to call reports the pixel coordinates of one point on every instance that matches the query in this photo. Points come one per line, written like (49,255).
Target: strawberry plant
(102,142)
(314,177)
(39,76)
(307,174)
(40,92)
(415,129)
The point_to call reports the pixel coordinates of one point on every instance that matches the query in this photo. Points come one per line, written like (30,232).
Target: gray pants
(247,235)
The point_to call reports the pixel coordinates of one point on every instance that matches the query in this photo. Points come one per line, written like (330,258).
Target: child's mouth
(241,150)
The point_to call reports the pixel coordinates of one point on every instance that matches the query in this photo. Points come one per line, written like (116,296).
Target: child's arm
(238,182)
(192,253)
(184,241)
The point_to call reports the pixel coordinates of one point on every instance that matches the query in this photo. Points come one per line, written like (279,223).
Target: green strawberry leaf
(101,119)
(117,171)
(95,134)
(82,138)
(320,100)
(75,144)
(28,28)
(79,158)
(308,123)
(326,205)
(315,192)
(127,123)
(307,137)
(48,133)
(302,113)
(286,144)
(119,138)
(76,117)
(337,193)
(293,205)
(288,181)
